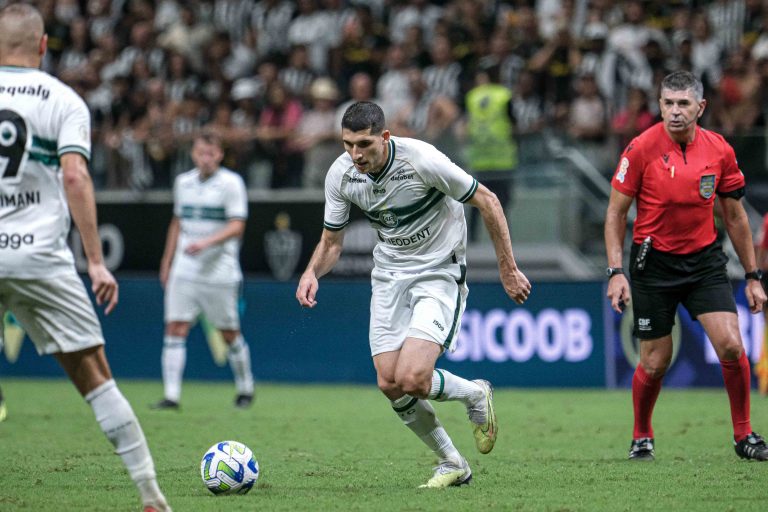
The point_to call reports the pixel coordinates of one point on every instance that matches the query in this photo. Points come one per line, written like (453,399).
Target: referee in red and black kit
(674,170)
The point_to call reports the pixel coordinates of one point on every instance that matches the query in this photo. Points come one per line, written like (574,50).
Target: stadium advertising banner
(277,243)
(694,362)
(555,340)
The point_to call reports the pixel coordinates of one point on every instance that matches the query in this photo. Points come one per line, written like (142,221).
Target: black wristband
(757,275)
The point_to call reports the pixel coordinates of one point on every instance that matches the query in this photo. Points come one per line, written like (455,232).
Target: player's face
(368,151)
(206,157)
(680,111)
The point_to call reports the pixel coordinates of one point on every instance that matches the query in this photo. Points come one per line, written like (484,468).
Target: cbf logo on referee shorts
(707,186)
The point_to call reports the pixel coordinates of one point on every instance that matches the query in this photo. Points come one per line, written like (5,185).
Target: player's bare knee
(414,384)
(730,350)
(655,369)
(180,329)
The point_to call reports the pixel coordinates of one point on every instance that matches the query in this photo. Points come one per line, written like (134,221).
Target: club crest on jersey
(388,218)
(707,186)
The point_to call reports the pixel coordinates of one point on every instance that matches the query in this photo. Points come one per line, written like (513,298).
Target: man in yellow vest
(491,149)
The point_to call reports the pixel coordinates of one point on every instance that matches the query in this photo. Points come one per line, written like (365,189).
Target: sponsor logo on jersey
(402,176)
(355,179)
(409,240)
(621,175)
(29,90)
(707,186)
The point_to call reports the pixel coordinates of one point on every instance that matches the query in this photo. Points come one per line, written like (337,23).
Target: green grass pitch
(341,448)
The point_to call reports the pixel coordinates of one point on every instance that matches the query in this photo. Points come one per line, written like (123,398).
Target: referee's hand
(618,292)
(755,295)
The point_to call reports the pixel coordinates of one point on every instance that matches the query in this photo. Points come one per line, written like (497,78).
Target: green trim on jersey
(44,158)
(452,330)
(203,213)
(466,197)
(406,406)
(44,144)
(335,227)
(390,160)
(406,214)
(76,149)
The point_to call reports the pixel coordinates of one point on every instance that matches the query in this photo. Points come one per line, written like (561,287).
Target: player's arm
(615,229)
(737,225)
(82,204)
(323,259)
(171,239)
(515,283)
(233,229)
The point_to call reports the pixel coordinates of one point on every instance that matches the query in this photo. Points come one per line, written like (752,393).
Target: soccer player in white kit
(412,194)
(200,269)
(45,141)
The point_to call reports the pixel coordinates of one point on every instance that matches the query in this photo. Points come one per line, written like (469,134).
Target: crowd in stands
(272,77)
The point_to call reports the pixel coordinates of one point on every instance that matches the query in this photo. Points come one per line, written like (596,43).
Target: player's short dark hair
(209,137)
(682,81)
(363,115)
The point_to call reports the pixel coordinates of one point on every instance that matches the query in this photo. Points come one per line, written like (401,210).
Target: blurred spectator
(186,36)
(490,143)
(442,76)
(270,20)
(360,89)
(738,107)
(297,75)
(413,13)
(317,134)
(633,119)
(706,53)
(393,89)
(427,114)
(588,114)
(277,127)
(310,29)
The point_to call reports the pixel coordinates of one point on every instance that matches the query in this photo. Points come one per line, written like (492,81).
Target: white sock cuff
(173,341)
(100,390)
(438,385)
(403,403)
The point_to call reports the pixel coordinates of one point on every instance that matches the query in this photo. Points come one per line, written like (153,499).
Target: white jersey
(203,208)
(40,120)
(414,204)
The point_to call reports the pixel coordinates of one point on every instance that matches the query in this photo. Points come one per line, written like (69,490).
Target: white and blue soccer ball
(229,467)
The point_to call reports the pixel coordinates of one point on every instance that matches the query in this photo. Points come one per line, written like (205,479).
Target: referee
(673,171)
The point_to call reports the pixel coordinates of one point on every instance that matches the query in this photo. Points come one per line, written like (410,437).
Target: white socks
(174,359)
(239,357)
(447,386)
(419,416)
(119,424)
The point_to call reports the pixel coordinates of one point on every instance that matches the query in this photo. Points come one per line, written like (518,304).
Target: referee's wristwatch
(757,275)
(612,271)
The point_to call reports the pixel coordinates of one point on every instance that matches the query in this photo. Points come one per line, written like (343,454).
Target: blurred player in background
(45,141)
(761,367)
(412,194)
(200,269)
(674,170)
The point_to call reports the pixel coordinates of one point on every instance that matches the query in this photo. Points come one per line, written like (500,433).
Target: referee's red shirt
(674,189)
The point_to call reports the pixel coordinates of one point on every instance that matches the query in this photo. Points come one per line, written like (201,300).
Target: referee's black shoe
(752,447)
(642,449)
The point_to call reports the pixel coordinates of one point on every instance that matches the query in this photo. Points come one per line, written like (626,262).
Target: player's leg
(655,356)
(181,309)
(89,371)
(417,413)
(438,303)
(723,331)
(654,307)
(59,318)
(173,361)
(220,304)
(239,357)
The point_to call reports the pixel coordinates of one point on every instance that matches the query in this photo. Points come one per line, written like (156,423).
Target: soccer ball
(228,467)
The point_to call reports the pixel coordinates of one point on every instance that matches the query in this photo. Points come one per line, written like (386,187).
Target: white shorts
(185,300)
(426,305)
(56,313)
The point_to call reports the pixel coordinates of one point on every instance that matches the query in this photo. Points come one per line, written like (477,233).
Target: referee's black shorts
(699,281)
